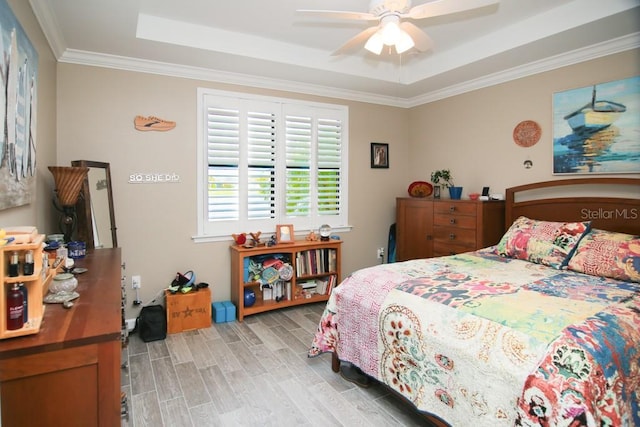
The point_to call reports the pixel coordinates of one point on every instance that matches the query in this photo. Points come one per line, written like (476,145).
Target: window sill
(299,235)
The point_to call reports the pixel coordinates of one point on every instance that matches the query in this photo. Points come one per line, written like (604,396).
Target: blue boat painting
(18,73)
(596,129)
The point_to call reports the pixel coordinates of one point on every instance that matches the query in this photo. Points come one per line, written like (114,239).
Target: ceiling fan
(394,27)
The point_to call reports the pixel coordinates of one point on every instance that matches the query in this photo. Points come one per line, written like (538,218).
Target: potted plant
(443,178)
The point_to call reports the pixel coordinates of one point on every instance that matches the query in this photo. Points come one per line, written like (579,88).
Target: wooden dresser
(69,372)
(437,227)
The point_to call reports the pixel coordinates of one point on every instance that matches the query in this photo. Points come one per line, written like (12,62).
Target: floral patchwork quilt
(478,339)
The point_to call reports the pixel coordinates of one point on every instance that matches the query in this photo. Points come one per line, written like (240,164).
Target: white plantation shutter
(329,163)
(223,156)
(298,163)
(268,161)
(261,163)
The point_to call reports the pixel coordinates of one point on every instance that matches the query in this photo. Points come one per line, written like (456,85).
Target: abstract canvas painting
(596,129)
(19,70)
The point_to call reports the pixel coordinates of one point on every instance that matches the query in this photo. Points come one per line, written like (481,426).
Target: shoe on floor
(153,123)
(355,375)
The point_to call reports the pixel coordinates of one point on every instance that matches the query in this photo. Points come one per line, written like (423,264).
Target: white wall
(472,134)
(96,109)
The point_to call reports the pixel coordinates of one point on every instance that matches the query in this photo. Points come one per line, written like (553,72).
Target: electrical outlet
(380,253)
(136,282)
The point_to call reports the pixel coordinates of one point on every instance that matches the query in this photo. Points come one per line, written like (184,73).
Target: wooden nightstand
(427,227)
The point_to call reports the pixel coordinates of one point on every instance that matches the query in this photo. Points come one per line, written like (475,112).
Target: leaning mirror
(96,219)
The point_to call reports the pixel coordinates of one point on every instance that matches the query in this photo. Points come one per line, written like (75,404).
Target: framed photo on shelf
(284,233)
(379,155)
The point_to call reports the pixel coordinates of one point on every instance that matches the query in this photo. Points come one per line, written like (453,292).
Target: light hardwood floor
(254,373)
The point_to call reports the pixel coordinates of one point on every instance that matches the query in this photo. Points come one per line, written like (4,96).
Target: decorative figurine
(240,239)
(256,238)
(312,236)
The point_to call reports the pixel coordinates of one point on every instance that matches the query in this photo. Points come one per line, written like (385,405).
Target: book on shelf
(316,261)
(322,285)
(333,260)
(331,284)
(308,284)
(277,290)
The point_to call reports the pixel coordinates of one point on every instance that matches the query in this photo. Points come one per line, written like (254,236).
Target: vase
(455,193)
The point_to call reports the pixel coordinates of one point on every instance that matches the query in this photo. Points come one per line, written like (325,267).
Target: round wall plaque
(526,133)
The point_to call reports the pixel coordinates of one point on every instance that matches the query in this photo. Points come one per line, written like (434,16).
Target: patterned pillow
(608,254)
(542,242)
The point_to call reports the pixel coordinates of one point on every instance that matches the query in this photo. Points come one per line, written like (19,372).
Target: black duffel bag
(151,325)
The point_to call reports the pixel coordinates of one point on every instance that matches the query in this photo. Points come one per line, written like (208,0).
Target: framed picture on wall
(596,128)
(379,155)
(19,86)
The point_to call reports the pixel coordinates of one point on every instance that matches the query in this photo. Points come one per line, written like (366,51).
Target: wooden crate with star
(186,312)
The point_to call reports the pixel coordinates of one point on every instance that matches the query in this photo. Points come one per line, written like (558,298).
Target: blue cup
(455,193)
(77,250)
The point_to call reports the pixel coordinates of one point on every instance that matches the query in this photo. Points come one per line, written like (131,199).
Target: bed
(542,329)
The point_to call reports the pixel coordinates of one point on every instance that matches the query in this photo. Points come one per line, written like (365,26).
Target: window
(266,161)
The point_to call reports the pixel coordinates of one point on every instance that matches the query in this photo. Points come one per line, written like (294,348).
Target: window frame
(207,232)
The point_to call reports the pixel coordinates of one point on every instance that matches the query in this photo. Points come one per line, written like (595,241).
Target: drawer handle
(452,221)
(452,208)
(452,236)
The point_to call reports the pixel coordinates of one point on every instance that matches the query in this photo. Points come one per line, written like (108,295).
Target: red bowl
(474,196)
(420,189)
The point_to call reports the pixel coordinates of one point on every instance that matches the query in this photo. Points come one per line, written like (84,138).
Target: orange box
(186,312)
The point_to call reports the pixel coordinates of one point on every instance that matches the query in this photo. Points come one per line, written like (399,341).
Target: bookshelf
(315,271)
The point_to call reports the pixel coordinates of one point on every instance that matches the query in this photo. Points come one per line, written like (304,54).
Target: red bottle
(15,308)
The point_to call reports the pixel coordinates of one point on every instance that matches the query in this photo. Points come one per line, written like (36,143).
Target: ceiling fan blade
(357,41)
(336,14)
(421,39)
(445,7)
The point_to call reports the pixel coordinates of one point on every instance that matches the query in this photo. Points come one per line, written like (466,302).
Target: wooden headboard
(571,200)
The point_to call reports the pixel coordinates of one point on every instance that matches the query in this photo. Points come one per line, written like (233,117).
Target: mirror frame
(83,206)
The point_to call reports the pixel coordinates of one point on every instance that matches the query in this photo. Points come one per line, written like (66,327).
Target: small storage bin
(230,311)
(189,311)
(219,312)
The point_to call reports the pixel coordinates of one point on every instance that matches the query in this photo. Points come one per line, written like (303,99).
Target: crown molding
(46,18)
(618,45)
(78,57)
(621,44)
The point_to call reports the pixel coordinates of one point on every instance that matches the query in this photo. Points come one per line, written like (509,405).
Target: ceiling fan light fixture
(375,43)
(390,33)
(404,42)
(394,27)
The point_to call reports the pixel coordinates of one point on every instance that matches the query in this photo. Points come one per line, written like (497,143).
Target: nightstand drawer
(455,236)
(455,221)
(455,208)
